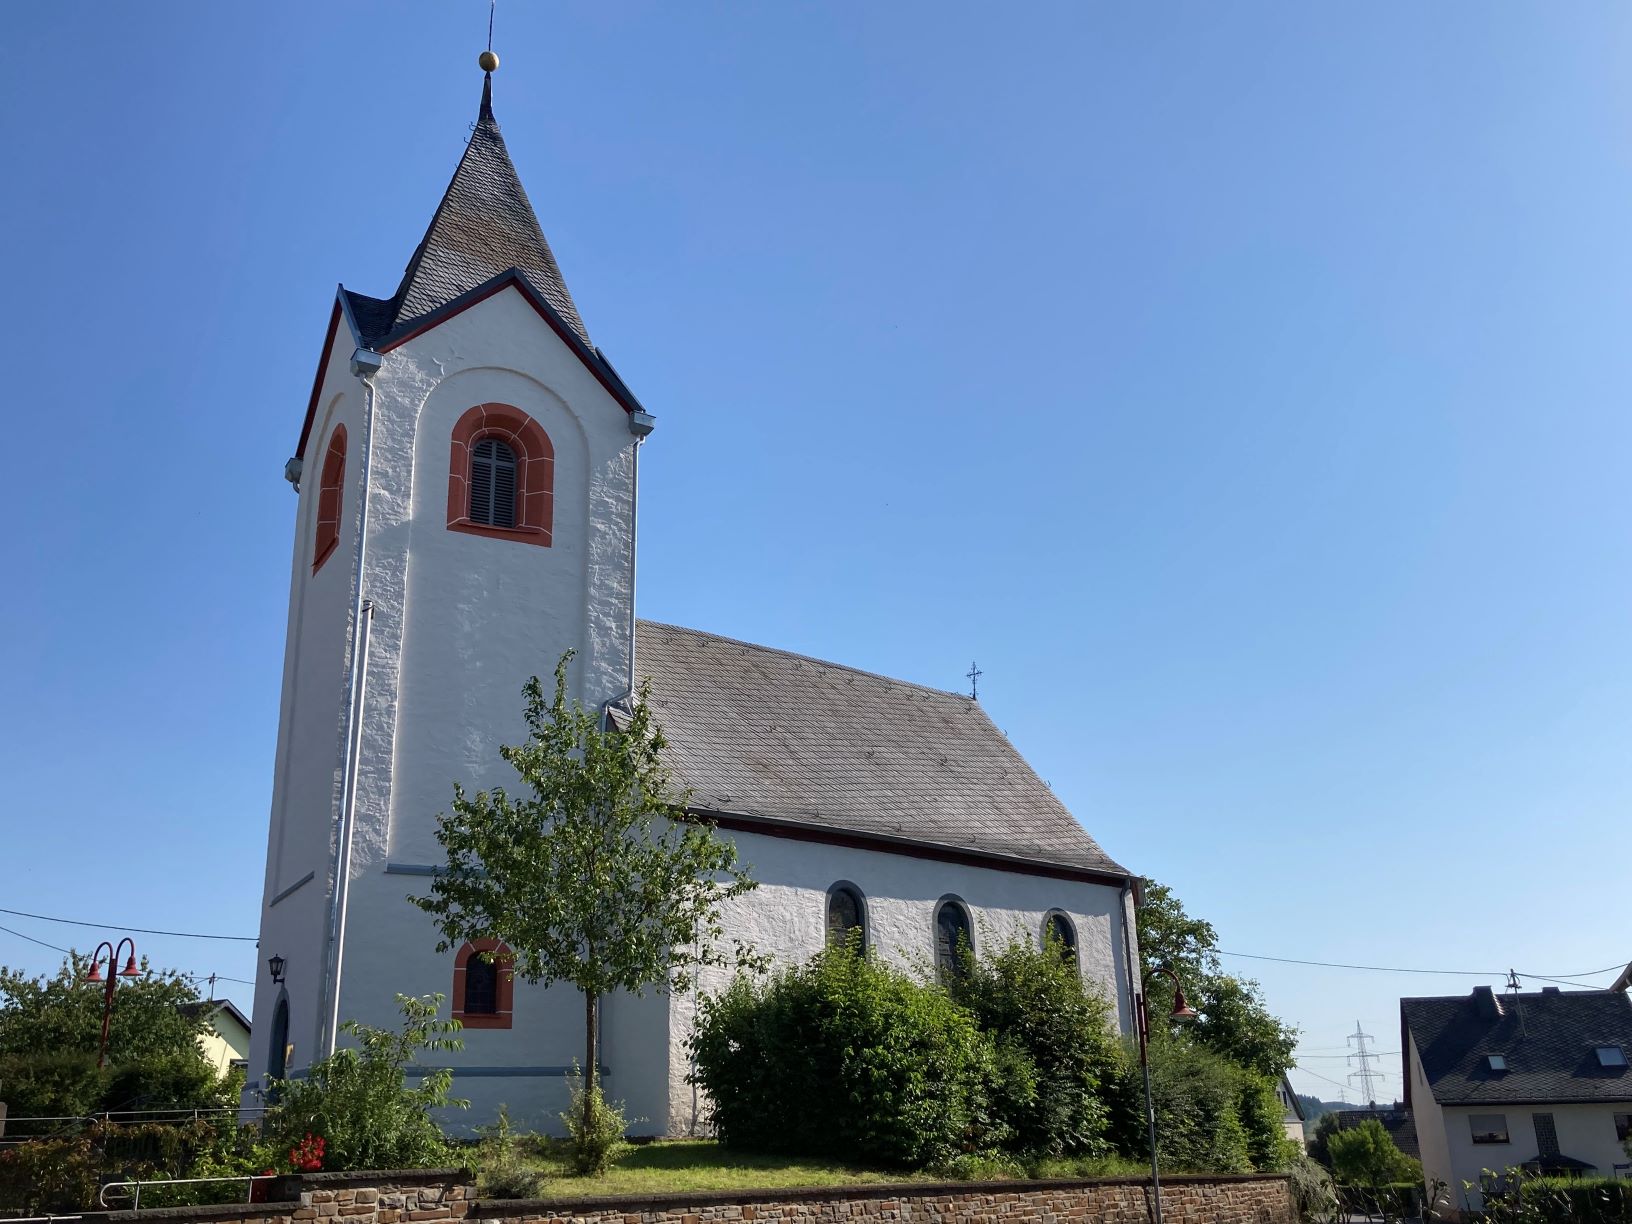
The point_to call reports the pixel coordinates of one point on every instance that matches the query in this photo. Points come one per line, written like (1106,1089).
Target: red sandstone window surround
(327,537)
(483,991)
(497,448)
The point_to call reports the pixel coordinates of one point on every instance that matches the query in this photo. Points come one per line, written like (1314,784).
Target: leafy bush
(1211,1115)
(502,1168)
(1525,1199)
(50,1175)
(1033,1000)
(359,1101)
(1365,1155)
(595,1128)
(846,1058)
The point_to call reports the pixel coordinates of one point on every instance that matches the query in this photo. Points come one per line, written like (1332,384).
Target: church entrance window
(954,939)
(493,484)
(484,990)
(846,917)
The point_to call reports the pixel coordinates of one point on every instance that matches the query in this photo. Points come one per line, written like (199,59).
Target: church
(467,480)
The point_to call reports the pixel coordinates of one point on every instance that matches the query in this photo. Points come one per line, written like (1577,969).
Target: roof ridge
(794,654)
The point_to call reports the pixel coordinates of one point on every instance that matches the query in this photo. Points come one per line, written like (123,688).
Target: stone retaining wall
(447,1194)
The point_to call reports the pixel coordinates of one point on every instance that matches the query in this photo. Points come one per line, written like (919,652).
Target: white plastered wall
(306,768)
(460,622)
(786,916)
(1585,1132)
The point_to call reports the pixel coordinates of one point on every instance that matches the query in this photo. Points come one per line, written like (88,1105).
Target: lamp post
(114,974)
(1181,1011)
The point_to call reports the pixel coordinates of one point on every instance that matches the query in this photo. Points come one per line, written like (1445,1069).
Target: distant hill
(1313,1107)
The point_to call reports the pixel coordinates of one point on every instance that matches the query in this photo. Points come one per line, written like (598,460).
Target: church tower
(466,478)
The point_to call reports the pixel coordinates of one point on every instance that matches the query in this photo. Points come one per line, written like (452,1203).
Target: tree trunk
(592,1022)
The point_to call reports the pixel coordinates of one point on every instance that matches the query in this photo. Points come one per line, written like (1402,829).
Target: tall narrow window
(1061,934)
(327,536)
(483,990)
(954,939)
(846,918)
(493,484)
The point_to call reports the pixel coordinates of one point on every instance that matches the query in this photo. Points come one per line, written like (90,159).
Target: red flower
(307,1155)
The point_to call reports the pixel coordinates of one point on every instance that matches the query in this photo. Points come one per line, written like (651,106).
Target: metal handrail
(136,1198)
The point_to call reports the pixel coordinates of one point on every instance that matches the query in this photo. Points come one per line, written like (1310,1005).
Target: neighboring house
(1533,1081)
(1399,1124)
(226,1043)
(1291,1112)
(466,473)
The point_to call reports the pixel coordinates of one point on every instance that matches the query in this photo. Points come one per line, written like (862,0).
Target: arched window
(1060,932)
(327,536)
(846,917)
(954,939)
(493,484)
(277,1052)
(483,990)
(501,476)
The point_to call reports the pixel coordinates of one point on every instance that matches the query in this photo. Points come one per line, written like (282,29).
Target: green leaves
(593,875)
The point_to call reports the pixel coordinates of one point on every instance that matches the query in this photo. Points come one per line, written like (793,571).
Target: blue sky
(1243,386)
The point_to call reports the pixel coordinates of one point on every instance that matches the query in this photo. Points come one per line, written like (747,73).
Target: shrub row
(848,1058)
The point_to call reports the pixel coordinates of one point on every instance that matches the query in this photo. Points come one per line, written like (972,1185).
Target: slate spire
(485,225)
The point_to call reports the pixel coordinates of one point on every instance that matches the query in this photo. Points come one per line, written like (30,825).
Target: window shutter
(504,493)
(481,485)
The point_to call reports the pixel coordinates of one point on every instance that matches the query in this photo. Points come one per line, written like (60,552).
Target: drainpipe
(641,425)
(364,364)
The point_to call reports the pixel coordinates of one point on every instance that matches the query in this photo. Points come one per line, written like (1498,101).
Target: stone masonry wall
(408,1198)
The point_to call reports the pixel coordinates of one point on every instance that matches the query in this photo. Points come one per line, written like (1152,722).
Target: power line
(1364,1057)
(32,940)
(112,926)
(1288,960)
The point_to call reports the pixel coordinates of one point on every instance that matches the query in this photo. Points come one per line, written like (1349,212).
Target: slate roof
(485,225)
(1549,1040)
(1400,1124)
(770,734)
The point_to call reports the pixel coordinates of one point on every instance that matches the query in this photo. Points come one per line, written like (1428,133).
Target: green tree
(1234,1020)
(597,877)
(51,1029)
(1365,1156)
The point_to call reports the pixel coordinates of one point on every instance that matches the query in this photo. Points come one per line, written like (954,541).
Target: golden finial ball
(487,61)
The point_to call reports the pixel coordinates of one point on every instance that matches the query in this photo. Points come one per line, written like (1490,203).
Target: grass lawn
(702,1164)
(698,1164)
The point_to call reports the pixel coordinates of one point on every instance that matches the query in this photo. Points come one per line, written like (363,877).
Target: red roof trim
(317,380)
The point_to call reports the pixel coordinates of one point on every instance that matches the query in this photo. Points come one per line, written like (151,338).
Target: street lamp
(114,974)
(275,965)
(1181,1011)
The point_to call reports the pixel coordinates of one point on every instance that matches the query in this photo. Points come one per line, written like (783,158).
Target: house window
(1488,1128)
(846,917)
(327,536)
(1060,932)
(1623,1127)
(954,939)
(501,476)
(1611,1056)
(1495,1062)
(483,989)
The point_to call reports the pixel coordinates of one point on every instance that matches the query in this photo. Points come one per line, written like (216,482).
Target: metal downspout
(364,364)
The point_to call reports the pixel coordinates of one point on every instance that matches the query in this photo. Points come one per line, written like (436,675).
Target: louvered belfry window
(493,484)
